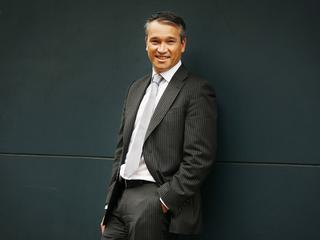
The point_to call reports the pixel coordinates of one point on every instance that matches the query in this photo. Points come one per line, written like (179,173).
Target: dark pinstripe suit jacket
(179,148)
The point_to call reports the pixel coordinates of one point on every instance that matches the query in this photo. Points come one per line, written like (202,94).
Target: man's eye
(154,42)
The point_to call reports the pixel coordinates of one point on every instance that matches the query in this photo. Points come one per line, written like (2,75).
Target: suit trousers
(138,216)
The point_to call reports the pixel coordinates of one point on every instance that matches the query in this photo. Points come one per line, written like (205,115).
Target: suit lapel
(167,99)
(133,102)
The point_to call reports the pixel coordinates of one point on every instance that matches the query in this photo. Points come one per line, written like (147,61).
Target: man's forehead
(159,28)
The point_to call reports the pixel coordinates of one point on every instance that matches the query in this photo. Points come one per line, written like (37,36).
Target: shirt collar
(167,75)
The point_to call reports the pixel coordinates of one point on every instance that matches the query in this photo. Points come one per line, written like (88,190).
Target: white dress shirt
(142,173)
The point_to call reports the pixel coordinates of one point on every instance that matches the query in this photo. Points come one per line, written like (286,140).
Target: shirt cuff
(106,207)
(164,203)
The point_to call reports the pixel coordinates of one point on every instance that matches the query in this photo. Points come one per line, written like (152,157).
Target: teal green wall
(64,70)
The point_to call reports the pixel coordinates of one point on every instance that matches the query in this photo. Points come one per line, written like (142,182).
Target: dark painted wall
(64,70)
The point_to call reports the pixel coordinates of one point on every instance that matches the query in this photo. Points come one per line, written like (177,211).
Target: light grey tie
(133,157)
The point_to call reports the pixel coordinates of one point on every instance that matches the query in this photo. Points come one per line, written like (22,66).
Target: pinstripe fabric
(138,216)
(179,147)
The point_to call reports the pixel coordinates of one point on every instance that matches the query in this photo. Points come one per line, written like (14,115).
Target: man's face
(164,45)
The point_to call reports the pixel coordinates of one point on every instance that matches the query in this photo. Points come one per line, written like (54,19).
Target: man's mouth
(162,58)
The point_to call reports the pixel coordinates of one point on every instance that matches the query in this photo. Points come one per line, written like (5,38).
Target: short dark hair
(170,18)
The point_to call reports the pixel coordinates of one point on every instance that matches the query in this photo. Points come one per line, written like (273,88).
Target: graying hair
(169,18)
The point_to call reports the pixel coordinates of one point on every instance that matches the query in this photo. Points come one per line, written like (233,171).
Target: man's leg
(144,216)
(116,228)
(138,216)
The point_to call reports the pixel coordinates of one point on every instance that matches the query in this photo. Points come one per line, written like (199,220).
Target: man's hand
(164,208)
(102,227)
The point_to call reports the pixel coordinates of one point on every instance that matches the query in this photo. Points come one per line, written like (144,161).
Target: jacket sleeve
(118,151)
(199,149)
(117,157)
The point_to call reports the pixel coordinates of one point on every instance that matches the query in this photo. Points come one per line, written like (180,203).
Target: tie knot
(157,78)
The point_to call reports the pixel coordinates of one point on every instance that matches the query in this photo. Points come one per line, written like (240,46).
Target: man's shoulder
(141,80)
(191,77)
(138,82)
(197,82)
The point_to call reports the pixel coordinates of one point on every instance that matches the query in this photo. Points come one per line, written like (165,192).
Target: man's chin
(160,67)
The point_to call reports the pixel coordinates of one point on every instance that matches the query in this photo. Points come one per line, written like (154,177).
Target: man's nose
(162,48)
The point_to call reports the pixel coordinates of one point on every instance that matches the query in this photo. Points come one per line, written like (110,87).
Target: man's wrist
(162,202)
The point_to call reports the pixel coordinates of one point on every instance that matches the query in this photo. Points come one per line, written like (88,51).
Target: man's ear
(145,40)
(184,44)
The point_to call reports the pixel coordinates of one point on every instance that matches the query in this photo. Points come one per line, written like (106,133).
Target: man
(166,146)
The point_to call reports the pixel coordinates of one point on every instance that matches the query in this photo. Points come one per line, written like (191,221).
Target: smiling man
(166,144)
(165,43)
